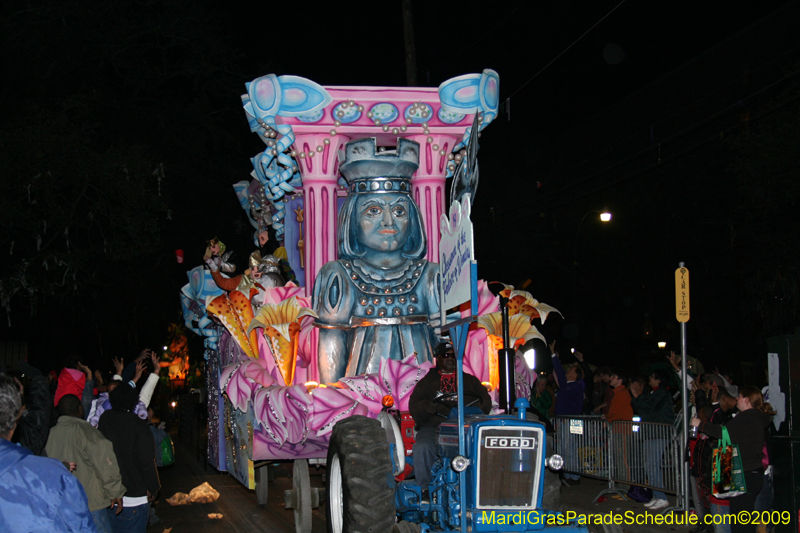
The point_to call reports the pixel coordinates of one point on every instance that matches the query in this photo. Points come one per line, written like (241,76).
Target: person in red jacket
(620,407)
(70,381)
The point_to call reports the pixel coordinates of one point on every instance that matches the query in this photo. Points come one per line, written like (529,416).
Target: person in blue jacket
(37,494)
(569,402)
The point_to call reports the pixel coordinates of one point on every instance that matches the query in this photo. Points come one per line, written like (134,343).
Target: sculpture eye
(373,211)
(399,211)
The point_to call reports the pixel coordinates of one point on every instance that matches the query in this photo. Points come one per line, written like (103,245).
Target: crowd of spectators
(578,389)
(78,452)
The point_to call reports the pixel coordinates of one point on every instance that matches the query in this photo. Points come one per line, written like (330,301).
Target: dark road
(238,506)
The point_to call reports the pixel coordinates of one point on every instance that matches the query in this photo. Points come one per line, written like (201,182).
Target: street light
(605,216)
(662,345)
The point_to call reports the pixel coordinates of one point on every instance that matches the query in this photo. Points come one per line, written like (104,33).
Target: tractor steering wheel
(444,397)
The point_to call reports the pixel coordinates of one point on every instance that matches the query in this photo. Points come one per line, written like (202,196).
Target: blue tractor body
(504,482)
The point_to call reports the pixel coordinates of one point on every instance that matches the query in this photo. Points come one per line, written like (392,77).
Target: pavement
(241,512)
(237,505)
(635,517)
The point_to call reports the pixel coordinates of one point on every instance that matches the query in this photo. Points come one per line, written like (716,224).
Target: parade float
(352,185)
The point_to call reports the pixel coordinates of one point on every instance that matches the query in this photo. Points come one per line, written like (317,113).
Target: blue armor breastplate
(401,296)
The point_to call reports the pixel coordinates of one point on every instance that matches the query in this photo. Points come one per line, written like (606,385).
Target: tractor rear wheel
(361,487)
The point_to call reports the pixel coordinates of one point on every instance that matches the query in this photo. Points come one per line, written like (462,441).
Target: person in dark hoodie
(746,430)
(655,407)
(34,427)
(133,446)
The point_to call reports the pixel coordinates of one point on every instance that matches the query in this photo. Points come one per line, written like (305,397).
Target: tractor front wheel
(361,487)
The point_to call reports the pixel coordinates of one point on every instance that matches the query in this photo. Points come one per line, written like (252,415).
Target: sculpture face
(383,221)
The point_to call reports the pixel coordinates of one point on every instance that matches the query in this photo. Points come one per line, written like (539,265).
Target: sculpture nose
(388,219)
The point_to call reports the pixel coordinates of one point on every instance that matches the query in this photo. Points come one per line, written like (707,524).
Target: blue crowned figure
(378,299)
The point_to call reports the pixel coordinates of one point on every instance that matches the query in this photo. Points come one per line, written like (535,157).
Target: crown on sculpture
(368,170)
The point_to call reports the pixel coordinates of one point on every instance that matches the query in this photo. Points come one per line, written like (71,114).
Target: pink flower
(331,405)
(283,412)
(395,378)
(275,295)
(236,385)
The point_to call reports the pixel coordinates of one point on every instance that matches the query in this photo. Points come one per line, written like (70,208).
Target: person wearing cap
(378,300)
(428,410)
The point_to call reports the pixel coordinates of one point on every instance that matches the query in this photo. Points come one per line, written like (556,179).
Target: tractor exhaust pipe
(505,364)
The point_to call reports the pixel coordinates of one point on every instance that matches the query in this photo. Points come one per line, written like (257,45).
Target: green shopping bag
(726,469)
(167,451)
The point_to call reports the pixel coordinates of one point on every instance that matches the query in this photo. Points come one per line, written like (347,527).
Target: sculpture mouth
(388,231)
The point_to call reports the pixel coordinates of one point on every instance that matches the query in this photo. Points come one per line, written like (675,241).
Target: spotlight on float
(605,216)
(530,358)
(662,345)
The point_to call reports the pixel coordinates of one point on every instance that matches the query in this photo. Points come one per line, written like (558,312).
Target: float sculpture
(380,299)
(285,363)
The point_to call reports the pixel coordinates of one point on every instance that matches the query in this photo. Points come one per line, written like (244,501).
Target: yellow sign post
(682,294)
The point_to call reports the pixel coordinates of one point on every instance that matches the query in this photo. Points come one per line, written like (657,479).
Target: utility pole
(411,51)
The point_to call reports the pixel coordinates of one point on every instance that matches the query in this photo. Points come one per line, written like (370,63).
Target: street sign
(682,294)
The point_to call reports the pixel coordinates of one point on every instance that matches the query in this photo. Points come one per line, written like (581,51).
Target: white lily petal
(283,329)
(545,310)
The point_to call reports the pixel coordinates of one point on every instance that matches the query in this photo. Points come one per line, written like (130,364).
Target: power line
(565,50)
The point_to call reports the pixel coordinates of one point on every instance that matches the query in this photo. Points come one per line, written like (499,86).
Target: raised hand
(579,356)
(85,369)
(553,347)
(98,377)
(675,360)
(139,369)
(156,366)
(119,365)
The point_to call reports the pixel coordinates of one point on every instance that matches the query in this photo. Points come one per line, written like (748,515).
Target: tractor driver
(431,402)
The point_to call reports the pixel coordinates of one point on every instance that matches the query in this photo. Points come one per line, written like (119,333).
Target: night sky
(672,115)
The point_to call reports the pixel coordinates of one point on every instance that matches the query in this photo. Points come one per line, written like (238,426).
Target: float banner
(455,255)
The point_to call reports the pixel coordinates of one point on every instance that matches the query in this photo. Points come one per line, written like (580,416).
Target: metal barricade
(630,452)
(585,444)
(646,454)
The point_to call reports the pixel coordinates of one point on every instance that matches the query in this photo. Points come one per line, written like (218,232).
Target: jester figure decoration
(378,300)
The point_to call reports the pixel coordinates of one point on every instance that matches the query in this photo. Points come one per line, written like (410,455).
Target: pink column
(428,183)
(320,175)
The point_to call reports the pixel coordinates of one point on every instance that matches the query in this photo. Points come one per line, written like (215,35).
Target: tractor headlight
(459,463)
(555,462)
